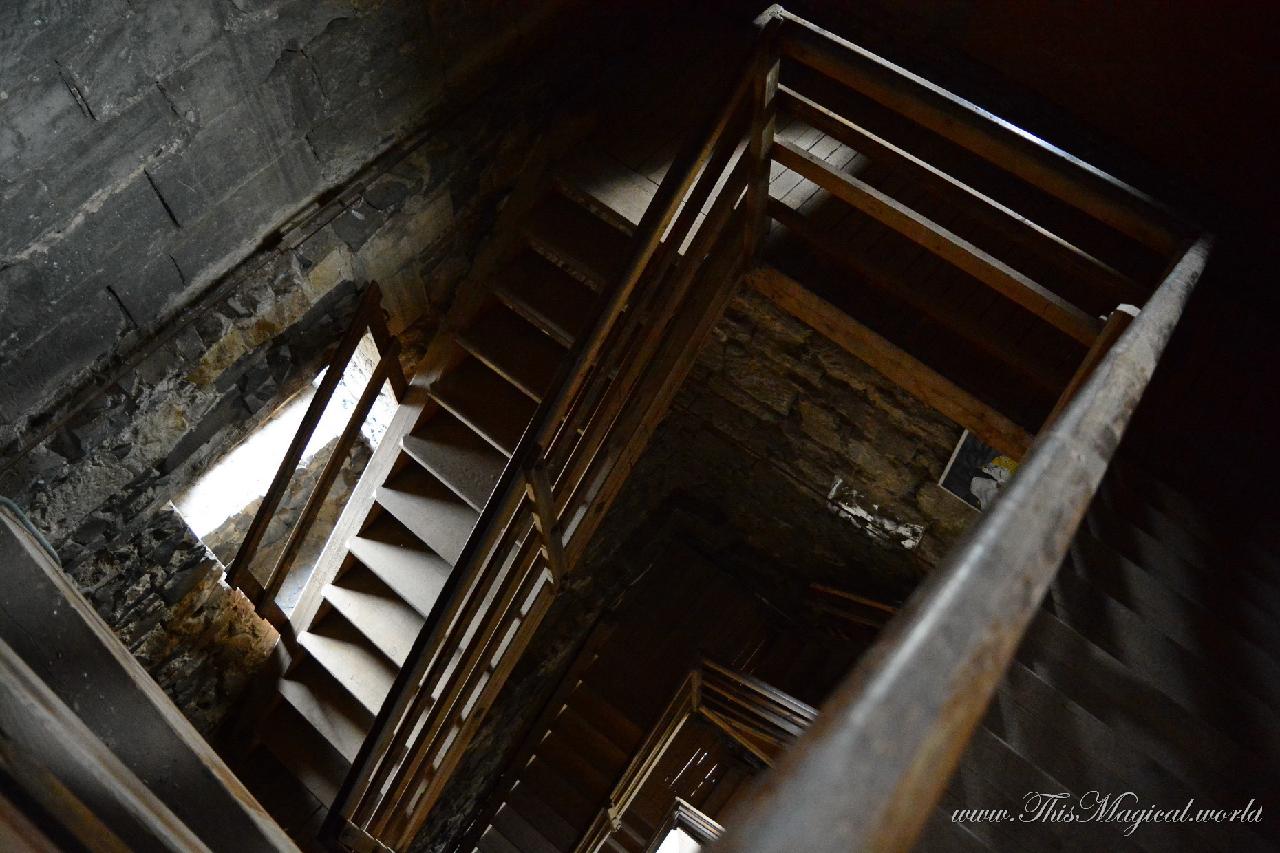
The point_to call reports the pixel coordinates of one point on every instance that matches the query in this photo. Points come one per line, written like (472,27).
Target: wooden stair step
(515,348)
(563,756)
(303,752)
(547,296)
(430,510)
(520,832)
(373,607)
(351,658)
(542,817)
(332,712)
(558,792)
(399,558)
(458,456)
(486,402)
(592,741)
(493,842)
(578,240)
(606,716)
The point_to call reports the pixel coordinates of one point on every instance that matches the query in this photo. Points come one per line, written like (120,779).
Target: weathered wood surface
(869,771)
(64,768)
(66,644)
(239,573)
(1023,230)
(1117,322)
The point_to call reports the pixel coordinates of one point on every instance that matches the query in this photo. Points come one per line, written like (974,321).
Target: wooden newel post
(1117,322)
(764,89)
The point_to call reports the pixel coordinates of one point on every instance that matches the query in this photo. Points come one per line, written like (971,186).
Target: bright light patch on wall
(245,473)
(678,841)
(849,503)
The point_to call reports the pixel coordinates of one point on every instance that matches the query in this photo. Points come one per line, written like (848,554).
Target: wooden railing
(582,442)
(882,752)
(867,774)
(369,316)
(760,718)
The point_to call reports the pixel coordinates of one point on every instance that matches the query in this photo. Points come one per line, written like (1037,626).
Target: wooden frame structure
(583,440)
(759,718)
(370,317)
(910,710)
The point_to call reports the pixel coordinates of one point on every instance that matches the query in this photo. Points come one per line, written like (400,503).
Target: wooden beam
(1111,332)
(923,231)
(867,267)
(1028,233)
(1101,196)
(764,73)
(912,375)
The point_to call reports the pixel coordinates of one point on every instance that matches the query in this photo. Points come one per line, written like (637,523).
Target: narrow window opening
(220,504)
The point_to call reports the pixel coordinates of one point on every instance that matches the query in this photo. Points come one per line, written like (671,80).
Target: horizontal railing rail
(369,317)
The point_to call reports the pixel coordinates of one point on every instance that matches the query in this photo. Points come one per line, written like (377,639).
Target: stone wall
(147,148)
(161,590)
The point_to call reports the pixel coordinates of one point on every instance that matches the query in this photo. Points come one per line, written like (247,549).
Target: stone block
(228,411)
(90,166)
(223,156)
(357,224)
(122,64)
(148,292)
(236,224)
(37,32)
(34,116)
(52,363)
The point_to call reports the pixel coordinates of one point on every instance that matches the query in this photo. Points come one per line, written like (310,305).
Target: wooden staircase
(560,790)
(1147,670)
(422,493)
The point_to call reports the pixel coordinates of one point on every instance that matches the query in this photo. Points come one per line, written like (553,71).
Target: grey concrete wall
(147,147)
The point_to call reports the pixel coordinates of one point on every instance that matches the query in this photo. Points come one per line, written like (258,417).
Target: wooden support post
(388,346)
(764,88)
(544,519)
(1117,322)
(332,467)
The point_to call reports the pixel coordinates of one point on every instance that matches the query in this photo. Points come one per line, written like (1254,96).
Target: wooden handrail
(1047,167)
(869,771)
(368,317)
(1019,227)
(930,235)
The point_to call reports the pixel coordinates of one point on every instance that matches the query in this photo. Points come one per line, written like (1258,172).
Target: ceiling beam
(953,248)
(904,370)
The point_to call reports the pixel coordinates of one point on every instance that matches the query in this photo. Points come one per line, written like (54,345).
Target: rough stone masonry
(190,195)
